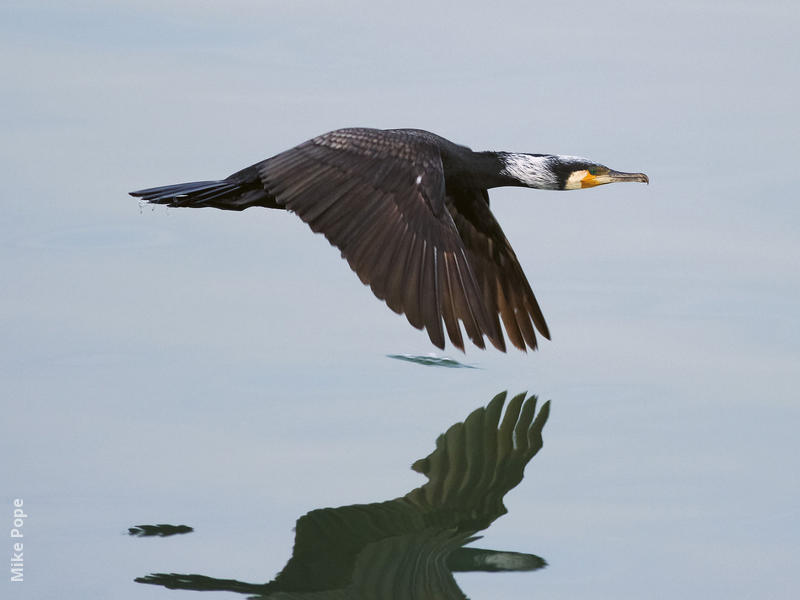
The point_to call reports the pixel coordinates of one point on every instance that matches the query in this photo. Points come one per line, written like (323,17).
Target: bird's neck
(497,169)
(530,170)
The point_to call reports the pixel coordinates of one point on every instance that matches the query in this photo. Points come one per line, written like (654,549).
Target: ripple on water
(431,360)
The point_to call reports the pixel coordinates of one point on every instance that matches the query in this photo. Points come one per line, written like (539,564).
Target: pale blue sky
(228,371)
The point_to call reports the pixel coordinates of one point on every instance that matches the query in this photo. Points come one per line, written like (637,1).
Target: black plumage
(409,211)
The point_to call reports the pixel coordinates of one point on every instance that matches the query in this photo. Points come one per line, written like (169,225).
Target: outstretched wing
(379,196)
(506,291)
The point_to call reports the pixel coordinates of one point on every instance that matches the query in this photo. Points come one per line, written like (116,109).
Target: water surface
(228,372)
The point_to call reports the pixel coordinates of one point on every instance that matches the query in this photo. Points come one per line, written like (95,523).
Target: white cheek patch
(574,181)
(533,171)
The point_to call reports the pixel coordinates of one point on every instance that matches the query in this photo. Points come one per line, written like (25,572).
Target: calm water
(228,372)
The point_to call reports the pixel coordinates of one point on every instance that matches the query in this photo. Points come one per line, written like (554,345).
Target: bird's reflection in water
(410,546)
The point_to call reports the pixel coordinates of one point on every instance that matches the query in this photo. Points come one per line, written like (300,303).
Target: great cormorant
(409,210)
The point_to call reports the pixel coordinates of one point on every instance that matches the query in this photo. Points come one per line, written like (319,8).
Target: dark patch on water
(160,530)
(432,361)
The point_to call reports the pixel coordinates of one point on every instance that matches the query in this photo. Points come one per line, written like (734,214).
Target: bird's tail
(228,194)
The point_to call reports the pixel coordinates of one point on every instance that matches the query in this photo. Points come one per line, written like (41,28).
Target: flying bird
(409,211)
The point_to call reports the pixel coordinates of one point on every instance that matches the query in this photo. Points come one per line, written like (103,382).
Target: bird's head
(559,172)
(575,173)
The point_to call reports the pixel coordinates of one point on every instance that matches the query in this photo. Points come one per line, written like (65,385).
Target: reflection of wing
(475,463)
(409,546)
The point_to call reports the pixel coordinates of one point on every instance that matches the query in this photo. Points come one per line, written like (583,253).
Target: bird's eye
(594,171)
